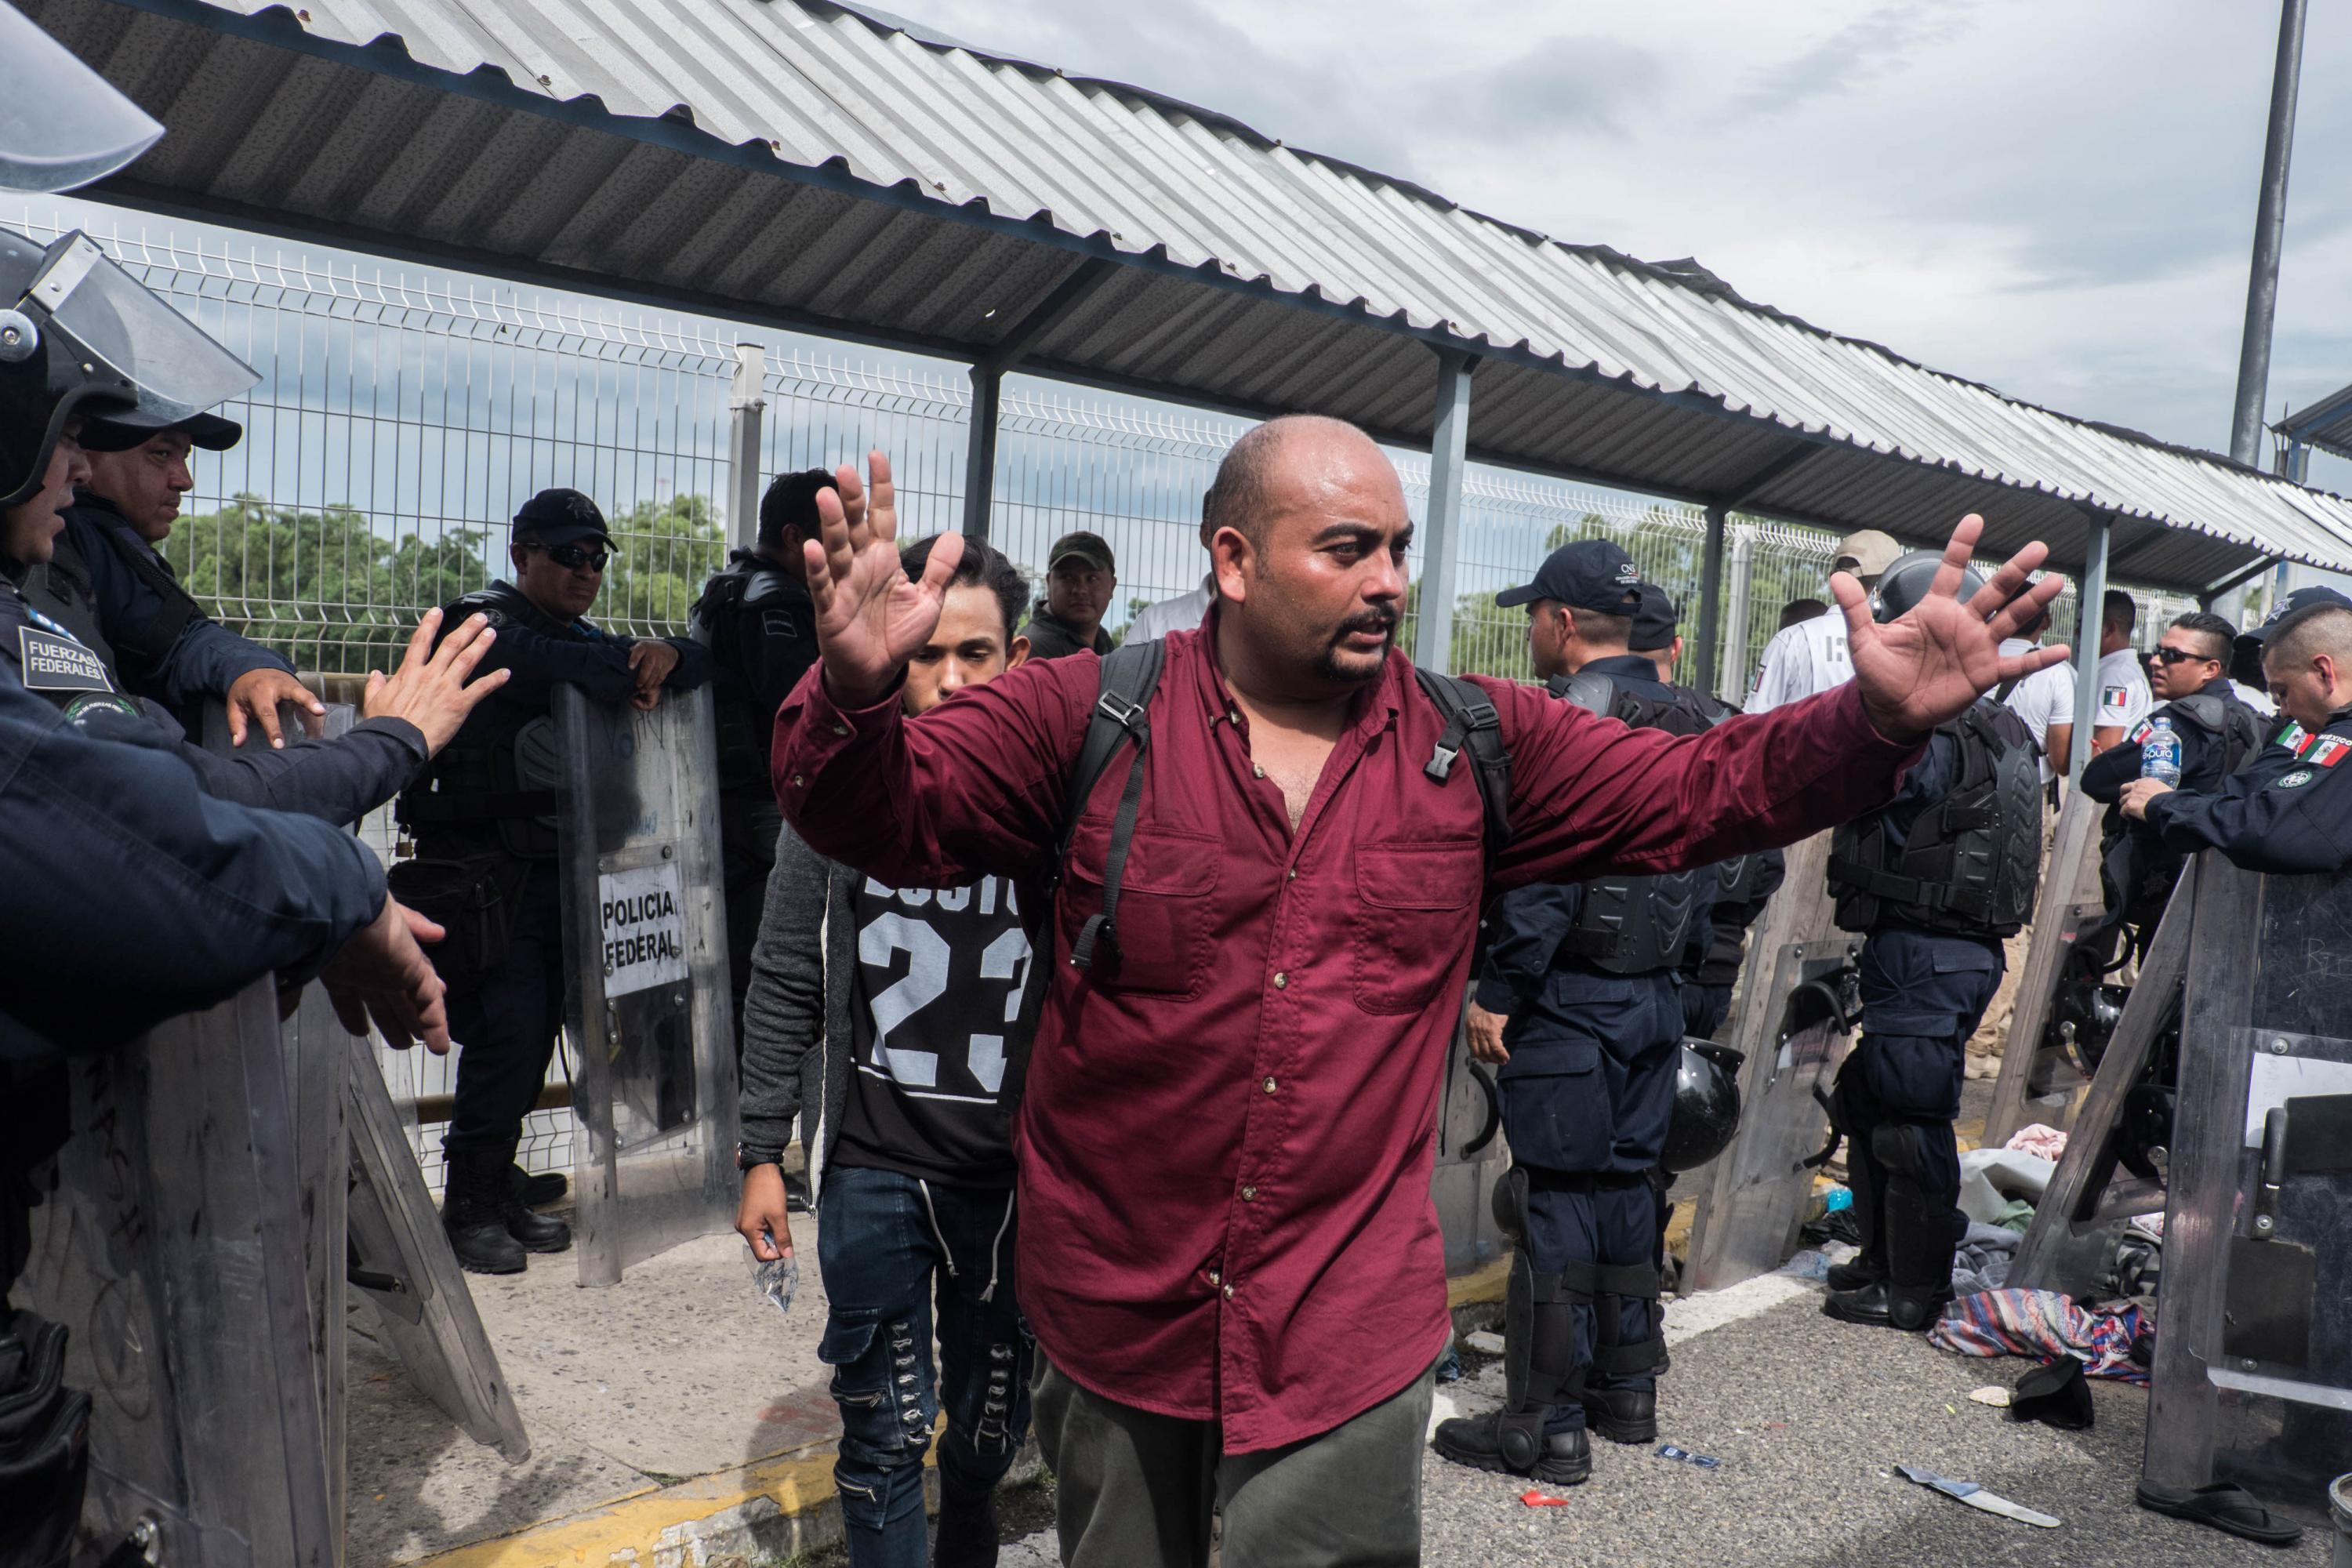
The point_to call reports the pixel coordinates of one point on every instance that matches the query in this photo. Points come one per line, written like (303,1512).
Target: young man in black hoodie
(887,1037)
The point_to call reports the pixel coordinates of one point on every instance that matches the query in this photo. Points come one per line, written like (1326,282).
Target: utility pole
(2270,231)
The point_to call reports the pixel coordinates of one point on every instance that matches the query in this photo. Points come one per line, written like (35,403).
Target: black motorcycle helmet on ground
(79,336)
(1706,1105)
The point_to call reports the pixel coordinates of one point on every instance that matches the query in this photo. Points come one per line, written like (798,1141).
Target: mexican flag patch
(2294,738)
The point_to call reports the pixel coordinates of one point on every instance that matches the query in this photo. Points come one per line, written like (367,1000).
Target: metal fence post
(1441,534)
(2089,624)
(1710,601)
(746,401)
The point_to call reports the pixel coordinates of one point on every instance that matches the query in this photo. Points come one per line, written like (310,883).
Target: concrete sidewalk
(656,1406)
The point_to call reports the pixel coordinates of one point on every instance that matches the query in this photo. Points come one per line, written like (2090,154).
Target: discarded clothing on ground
(2042,1325)
(1983,1260)
(2042,1142)
(1993,1179)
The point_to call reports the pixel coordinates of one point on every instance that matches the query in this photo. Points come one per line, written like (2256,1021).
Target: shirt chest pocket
(1415,903)
(1163,918)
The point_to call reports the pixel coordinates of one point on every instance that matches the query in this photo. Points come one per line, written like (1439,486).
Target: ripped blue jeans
(886,1246)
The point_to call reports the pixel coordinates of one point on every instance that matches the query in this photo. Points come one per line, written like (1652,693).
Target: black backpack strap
(1471,725)
(1130,674)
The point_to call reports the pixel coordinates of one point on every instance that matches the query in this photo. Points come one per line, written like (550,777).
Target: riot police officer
(1936,880)
(2188,674)
(756,619)
(108,583)
(2295,815)
(482,818)
(1578,999)
(1710,967)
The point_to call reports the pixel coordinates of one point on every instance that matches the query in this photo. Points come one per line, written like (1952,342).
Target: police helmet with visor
(1908,579)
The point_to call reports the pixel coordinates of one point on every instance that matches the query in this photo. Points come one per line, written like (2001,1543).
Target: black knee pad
(1509,1203)
(1897,1148)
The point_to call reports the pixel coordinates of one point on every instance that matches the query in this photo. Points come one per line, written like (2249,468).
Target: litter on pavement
(1975,1497)
(1703,1461)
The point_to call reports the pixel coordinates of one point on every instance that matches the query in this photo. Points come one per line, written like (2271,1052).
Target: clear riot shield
(172,1250)
(2094,1195)
(1791,1023)
(317,1072)
(2253,1376)
(2048,1079)
(400,1260)
(1470,1159)
(648,1013)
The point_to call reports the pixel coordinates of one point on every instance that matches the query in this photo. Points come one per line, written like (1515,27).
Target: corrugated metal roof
(802,163)
(2327,423)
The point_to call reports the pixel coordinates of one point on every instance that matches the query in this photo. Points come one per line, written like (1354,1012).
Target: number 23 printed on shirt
(910,1029)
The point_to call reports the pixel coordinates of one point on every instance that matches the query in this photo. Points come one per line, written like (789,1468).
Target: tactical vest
(1633,925)
(475,794)
(1973,860)
(745,735)
(2137,871)
(62,590)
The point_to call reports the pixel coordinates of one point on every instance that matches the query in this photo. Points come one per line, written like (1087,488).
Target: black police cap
(209,431)
(2246,652)
(1653,623)
(560,517)
(1588,575)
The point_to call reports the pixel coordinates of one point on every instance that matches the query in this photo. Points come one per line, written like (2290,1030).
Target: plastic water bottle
(2159,755)
(777,1279)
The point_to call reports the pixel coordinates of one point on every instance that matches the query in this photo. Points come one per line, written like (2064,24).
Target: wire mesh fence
(402,417)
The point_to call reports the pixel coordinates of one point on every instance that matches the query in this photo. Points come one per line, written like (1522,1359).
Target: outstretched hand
(1925,667)
(870,618)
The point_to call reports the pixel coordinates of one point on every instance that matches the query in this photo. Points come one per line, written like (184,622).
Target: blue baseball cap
(1653,623)
(1588,575)
(560,517)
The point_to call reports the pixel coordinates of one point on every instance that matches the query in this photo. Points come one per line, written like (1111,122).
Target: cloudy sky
(2054,198)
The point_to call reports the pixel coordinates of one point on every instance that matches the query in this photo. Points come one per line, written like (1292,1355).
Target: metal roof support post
(1732,682)
(1710,601)
(2089,623)
(746,402)
(1441,534)
(979,448)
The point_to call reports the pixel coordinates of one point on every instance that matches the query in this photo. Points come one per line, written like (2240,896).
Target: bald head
(2307,663)
(1297,459)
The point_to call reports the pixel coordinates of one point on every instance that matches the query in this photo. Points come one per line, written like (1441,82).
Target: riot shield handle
(2273,1171)
(1485,1082)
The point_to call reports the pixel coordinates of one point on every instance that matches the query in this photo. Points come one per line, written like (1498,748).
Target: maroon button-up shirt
(1225,1140)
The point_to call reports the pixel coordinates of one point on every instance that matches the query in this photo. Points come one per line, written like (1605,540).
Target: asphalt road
(1809,1418)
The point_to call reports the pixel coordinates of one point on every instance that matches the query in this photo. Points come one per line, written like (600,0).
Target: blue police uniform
(119,596)
(1585,1098)
(2287,812)
(1935,879)
(757,621)
(337,781)
(2136,870)
(136,897)
(473,807)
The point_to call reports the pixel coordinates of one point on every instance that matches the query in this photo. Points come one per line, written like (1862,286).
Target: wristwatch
(745,1159)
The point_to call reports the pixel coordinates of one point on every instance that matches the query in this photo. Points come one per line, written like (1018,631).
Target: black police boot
(537,1190)
(1622,1415)
(1560,1459)
(537,1232)
(964,1534)
(1888,1306)
(472,1212)
(1864,1269)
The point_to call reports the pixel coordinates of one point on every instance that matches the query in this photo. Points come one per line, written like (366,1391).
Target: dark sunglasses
(2178,656)
(573,557)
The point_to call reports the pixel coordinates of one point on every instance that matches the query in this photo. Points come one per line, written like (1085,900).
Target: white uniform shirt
(2124,698)
(1184,613)
(1804,660)
(2042,698)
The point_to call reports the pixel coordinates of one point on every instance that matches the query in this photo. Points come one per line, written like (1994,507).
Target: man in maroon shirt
(1227,1248)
